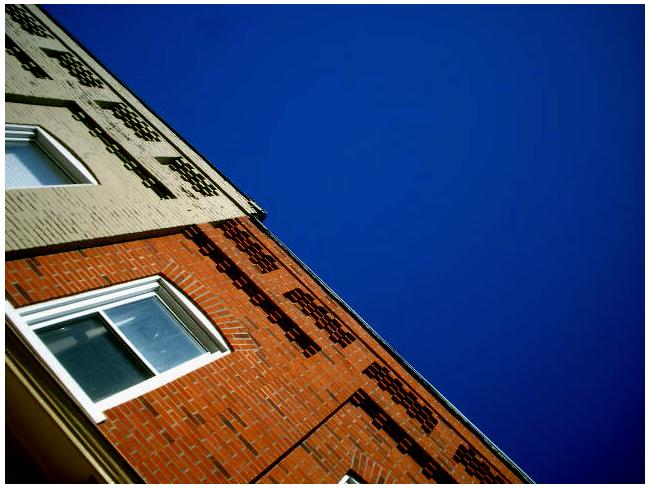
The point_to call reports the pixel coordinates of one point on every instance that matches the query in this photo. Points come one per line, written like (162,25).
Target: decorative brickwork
(405,444)
(76,68)
(402,395)
(476,466)
(191,174)
(26,21)
(197,192)
(278,408)
(148,180)
(262,413)
(264,260)
(132,120)
(322,316)
(257,297)
(26,62)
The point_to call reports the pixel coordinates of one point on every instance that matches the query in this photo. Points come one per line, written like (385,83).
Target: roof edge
(423,381)
(258,211)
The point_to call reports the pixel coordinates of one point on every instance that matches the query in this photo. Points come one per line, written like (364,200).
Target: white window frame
(349,479)
(64,159)
(27,320)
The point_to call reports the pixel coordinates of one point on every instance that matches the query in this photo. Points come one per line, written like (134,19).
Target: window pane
(93,356)
(156,333)
(26,165)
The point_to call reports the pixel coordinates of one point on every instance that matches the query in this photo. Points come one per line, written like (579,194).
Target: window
(351,478)
(33,158)
(111,345)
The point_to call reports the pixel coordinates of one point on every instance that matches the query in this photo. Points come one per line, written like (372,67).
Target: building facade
(157,331)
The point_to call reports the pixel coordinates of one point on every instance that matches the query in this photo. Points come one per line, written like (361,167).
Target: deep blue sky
(470,179)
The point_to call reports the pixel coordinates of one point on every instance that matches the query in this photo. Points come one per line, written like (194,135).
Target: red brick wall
(274,410)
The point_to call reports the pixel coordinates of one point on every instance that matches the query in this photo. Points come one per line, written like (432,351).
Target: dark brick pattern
(263,408)
(291,330)
(323,317)
(27,21)
(130,163)
(26,62)
(76,68)
(132,120)
(405,444)
(189,173)
(476,466)
(402,396)
(245,242)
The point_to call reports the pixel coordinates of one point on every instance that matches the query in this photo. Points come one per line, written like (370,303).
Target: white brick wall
(121,204)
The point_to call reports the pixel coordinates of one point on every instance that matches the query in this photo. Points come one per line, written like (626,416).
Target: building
(157,331)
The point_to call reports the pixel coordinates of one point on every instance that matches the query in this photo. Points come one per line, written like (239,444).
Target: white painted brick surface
(120,204)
